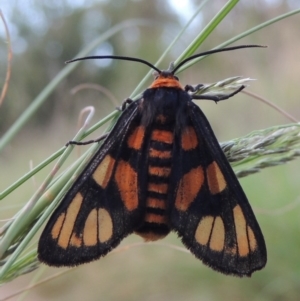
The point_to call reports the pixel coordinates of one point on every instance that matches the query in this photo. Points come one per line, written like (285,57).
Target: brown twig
(272,105)
(99,88)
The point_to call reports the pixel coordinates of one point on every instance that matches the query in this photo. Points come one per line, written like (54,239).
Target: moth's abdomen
(155,225)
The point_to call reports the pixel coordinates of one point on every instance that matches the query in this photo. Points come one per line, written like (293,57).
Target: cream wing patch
(211,232)
(98,227)
(203,230)
(57,226)
(68,223)
(105,225)
(252,239)
(246,240)
(217,239)
(90,229)
(103,172)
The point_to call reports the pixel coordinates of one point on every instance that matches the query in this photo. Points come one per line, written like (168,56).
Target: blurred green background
(46,34)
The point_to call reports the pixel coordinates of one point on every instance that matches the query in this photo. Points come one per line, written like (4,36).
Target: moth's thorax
(167,101)
(166,80)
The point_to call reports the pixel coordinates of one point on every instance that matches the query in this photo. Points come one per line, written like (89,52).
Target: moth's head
(166,79)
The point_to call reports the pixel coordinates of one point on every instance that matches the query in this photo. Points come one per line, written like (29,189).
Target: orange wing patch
(103,172)
(215,178)
(189,140)
(189,187)
(136,139)
(126,179)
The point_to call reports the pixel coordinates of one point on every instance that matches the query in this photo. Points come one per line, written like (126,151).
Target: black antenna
(124,58)
(213,51)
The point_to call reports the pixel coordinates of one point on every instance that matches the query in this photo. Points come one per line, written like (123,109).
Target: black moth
(160,169)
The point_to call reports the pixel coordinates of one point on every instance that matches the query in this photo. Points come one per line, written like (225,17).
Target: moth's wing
(209,209)
(102,207)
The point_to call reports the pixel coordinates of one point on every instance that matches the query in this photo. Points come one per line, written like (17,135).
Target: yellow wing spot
(189,139)
(159,154)
(217,238)
(204,229)
(160,188)
(188,188)
(105,223)
(68,225)
(162,136)
(159,171)
(135,140)
(215,178)
(75,240)
(57,226)
(90,229)
(252,239)
(104,170)
(241,232)
(126,179)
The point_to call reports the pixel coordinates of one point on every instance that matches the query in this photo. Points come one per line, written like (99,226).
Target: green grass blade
(42,97)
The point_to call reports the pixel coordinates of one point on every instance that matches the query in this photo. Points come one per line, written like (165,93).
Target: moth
(160,169)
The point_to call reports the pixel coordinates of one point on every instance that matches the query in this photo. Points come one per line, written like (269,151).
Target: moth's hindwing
(209,208)
(103,206)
